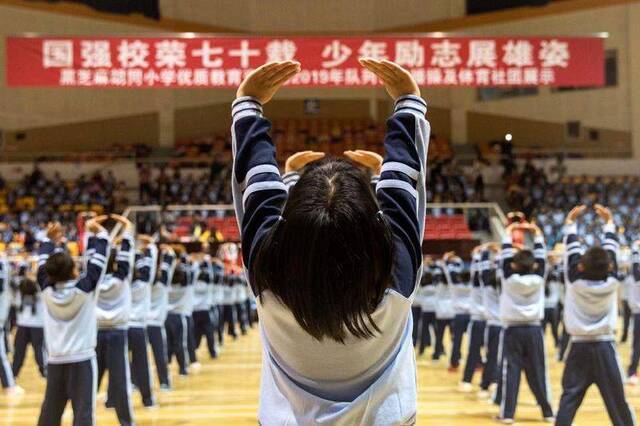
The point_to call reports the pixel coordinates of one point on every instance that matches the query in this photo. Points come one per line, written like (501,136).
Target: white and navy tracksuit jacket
(70,332)
(444,308)
(114,291)
(306,381)
(112,311)
(144,275)
(6,374)
(590,315)
(521,310)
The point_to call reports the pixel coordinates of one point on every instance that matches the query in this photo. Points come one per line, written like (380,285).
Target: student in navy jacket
(591,314)
(333,266)
(70,326)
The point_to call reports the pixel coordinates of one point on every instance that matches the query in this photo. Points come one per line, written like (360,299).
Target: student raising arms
(333,265)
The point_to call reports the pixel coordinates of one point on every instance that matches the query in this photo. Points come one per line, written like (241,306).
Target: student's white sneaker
(632,380)
(504,421)
(483,395)
(14,391)
(196,366)
(550,419)
(465,387)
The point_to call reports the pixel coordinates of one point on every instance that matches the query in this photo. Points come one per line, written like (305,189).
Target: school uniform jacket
(490,282)
(522,297)
(590,307)
(114,291)
(364,381)
(203,284)
(460,290)
(145,265)
(181,295)
(70,326)
(159,306)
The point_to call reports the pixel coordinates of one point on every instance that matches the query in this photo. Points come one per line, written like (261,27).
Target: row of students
(101,320)
(522,280)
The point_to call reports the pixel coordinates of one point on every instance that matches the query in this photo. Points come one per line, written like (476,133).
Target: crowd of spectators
(161,186)
(37,199)
(547,196)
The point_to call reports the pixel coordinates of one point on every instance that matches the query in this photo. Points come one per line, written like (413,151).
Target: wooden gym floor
(225,392)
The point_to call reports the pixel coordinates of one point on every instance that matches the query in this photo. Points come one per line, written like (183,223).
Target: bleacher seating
(447,228)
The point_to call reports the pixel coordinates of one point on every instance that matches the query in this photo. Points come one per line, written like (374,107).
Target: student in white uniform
(203,300)
(157,315)
(460,286)
(334,267)
(521,312)
(179,308)
(490,282)
(477,324)
(30,322)
(70,326)
(444,308)
(591,314)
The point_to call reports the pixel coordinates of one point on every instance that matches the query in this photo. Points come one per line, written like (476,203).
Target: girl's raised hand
(301,159)
(263,82)
(369,159)
(397,80)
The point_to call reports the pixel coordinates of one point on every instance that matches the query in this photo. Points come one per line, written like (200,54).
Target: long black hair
(329,258)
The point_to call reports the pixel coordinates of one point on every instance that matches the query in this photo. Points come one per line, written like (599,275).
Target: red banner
(184,61)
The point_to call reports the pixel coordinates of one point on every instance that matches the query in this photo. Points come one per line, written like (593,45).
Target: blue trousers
(75,381)
(140,371)
(459,326)
(112,354)
(524,350)
(593,363)
(158,342)
(491,372)
(474,355)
